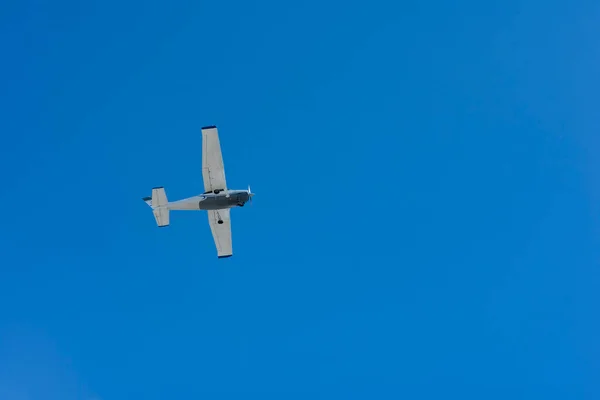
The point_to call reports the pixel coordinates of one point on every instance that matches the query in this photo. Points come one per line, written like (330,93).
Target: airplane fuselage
(212,201)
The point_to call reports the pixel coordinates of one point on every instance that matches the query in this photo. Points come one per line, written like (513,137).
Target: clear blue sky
(426,222)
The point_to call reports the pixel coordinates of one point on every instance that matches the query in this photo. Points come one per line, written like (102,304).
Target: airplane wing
(221,232)
(213,171)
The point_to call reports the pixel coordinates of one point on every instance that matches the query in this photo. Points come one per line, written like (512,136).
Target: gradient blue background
(426,222)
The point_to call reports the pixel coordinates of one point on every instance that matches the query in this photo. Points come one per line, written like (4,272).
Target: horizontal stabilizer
(159,204)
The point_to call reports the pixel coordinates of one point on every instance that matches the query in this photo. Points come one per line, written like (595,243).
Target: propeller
(250,194)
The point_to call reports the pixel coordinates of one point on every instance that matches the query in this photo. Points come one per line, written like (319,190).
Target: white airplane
(216,199)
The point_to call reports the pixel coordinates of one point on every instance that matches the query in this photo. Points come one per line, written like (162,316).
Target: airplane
(217,199)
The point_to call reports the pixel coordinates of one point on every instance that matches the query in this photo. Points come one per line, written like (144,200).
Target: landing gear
(240,204)
(220,221)
(217,191)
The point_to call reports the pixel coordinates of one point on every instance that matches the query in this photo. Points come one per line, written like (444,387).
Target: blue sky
(426,221)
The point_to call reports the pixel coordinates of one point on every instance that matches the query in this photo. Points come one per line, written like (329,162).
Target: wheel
(220,221)
(241,204)
(217,191)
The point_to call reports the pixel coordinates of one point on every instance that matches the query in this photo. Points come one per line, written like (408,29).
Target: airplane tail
(159,204)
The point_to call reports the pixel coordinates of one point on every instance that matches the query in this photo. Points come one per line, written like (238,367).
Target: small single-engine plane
(217,199)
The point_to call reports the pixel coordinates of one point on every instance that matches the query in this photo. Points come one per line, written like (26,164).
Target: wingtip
(209,127)
(225,256)
(146,198)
